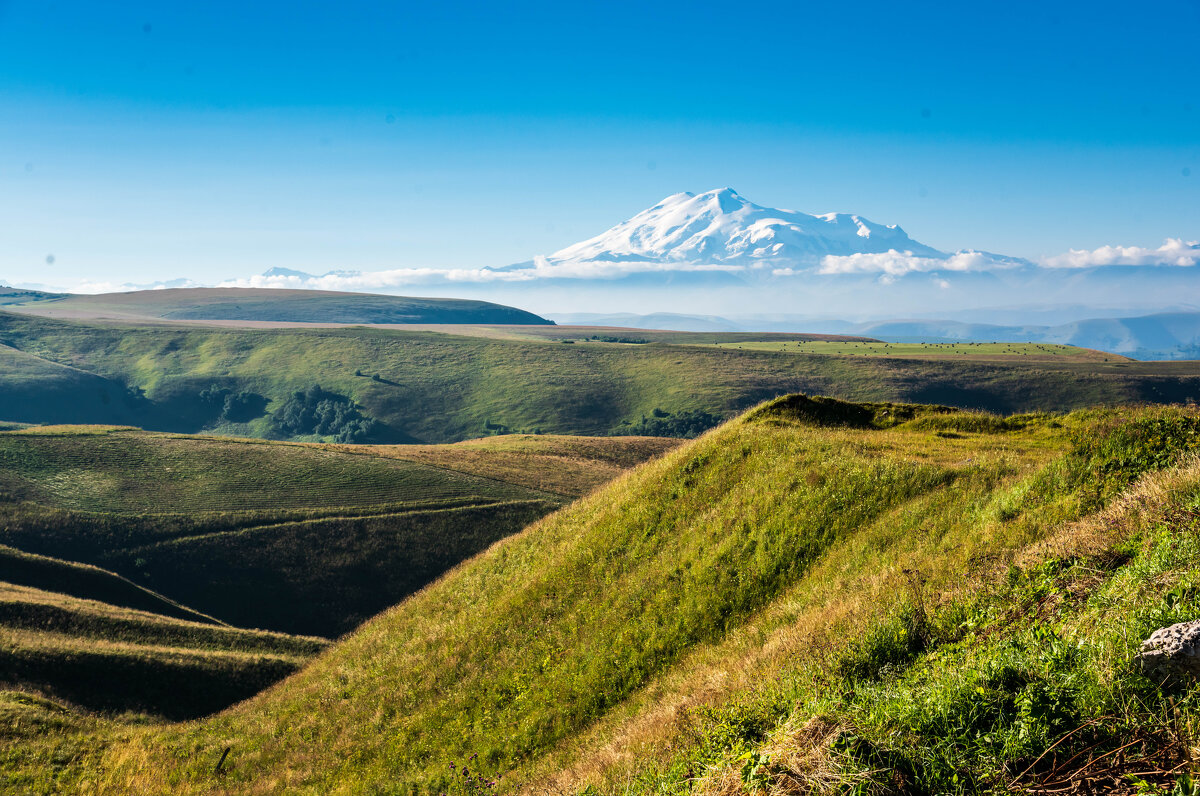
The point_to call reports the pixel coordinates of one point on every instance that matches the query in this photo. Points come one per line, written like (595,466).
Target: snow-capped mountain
(722,227)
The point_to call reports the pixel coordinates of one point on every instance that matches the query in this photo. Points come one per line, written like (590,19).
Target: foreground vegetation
(819,595)
(389,386)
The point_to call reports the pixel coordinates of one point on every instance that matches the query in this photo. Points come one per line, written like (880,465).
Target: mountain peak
(722,227)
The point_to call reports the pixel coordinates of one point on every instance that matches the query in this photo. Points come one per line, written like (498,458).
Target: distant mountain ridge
(1164,335)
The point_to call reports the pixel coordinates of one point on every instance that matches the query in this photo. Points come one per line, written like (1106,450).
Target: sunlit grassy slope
(1032,351)
(560,464)
(431,387)
(654,635)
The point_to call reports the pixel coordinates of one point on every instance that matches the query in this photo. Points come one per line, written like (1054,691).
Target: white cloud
(1174,252)
(893,263)
(540,268)
(374,280)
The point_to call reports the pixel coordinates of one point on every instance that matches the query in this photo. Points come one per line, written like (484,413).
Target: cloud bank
(893,263)
(539,269)
(1174,252)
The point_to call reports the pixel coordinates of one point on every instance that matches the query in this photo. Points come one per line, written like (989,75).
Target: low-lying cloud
(538,269)
(1174,252)
(894,263)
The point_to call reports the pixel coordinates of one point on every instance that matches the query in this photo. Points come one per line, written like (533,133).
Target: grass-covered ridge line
(421,386)
(564,640)
(273,305)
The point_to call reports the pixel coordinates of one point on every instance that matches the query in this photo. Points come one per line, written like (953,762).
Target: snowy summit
(722,227)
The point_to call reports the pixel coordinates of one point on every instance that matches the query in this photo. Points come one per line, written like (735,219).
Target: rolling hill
(818,594)
(422,386)
(272,305)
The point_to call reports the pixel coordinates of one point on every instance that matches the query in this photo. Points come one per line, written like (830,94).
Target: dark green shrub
(326,414)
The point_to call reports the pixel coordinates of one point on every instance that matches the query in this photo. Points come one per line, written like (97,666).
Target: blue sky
(144,141)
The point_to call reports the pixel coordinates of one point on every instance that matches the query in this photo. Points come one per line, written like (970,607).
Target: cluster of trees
(234,407)
(686,424)
(318,411)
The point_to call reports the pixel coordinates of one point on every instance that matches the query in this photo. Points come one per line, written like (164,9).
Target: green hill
(816,595)
(275,306)
(420,386)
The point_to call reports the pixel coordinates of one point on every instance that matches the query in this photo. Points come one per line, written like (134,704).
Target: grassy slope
(88,582)
(39,391)
(106,658)
(714,576)
(437,387)
(244,530)
(255,304)
(665,578)
(300,538)
(560,464)
(991,351)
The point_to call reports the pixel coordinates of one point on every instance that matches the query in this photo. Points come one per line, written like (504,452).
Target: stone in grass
(1172,654)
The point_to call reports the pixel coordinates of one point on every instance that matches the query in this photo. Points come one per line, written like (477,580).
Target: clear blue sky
(143,141)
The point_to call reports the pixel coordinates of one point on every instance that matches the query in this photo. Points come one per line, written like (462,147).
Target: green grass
(704,581)
(294,306)
(245,530)
(89,583)
(133,472)
(560,464)
(860,597)
(211,536)
(925,350)
(116,660)
(436,388)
